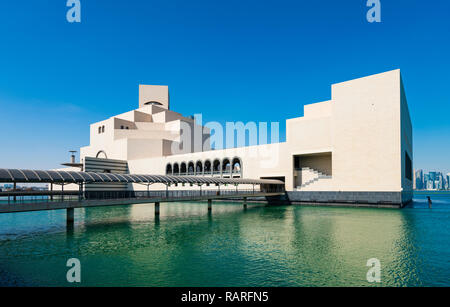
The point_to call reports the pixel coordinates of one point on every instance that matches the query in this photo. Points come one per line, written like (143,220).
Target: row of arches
(231,168)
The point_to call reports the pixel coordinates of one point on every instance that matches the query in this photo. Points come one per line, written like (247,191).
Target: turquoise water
(261,246)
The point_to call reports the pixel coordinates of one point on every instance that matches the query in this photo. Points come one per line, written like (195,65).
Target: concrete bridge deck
(72,200)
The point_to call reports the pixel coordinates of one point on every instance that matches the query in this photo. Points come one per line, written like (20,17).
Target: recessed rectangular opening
(408,167)
(309,168)
(320,162)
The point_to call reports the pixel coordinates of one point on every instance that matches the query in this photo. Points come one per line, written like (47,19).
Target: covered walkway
(24,201)
(68,177)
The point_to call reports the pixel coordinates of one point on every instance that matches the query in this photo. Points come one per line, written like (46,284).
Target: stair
(313,180)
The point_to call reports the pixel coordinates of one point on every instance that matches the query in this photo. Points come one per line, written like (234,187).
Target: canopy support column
(80,192)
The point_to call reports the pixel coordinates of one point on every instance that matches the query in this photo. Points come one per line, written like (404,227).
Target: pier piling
(157,209)
(70,216)
(209,204)
(245,202)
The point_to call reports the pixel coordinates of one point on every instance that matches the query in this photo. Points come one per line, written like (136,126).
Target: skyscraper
(426,179)
(440,182)
(432,180)
(419,180)
(432,176)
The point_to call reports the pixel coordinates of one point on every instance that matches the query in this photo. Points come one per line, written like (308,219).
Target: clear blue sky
(218,57)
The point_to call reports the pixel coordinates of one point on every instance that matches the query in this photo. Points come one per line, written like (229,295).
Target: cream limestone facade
(358,141)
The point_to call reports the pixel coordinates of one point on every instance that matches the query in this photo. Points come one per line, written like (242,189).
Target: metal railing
(75,196)
(9,200)
(164,194)
(11,197)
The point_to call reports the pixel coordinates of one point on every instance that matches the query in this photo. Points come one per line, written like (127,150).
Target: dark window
(408,167)
(297,162)
(121,127)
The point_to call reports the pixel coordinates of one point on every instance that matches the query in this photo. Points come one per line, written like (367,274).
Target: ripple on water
(262,246)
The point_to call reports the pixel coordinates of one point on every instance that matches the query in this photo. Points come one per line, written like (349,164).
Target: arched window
(176,169)
(183,169)
(169,169)
(208,168)
(103,129)
(153,103)
(101,154)
(99,130)
(226,166)
(199,168)
(237,167)
(191,168)
(216,167)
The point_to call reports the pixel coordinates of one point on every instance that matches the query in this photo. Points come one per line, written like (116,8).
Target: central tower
(154,95)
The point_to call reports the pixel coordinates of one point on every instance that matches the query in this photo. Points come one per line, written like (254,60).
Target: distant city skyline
(425,170)
(432,180)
